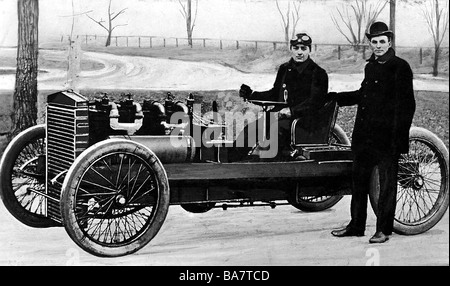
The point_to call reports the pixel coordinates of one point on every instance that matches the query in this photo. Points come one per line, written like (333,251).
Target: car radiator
(67,136)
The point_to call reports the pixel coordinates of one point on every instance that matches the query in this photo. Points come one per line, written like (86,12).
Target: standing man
(386,108)
(300,82)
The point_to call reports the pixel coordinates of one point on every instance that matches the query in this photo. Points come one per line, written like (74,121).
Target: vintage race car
(108,171)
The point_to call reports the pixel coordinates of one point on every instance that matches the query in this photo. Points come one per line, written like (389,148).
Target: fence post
(420,55)
(364,52)
(204,42)
(315,47)
(256,45)
(176,42)
(127,41)
(116,41)
(150,38)
(139,40)
(237,44)
(220,44)
(274,46)
(339,52)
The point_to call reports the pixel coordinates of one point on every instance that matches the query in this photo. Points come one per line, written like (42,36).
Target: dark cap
(379,29)
(301,39)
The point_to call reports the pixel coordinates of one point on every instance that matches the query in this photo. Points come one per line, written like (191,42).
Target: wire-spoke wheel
(320,203)
(422,187)
(115,198)
(22,178)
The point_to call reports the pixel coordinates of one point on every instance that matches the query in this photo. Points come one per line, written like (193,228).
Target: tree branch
(281,14)
(195,16)
(120,12)
(183,12)
(98,22)
(112,29)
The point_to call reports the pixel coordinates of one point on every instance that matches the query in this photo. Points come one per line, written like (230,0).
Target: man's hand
(284,113)
(245,91)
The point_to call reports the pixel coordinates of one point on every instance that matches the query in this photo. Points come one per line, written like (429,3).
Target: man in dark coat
(300,82)
(385,111)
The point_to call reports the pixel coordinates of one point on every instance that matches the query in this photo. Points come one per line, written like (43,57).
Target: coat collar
(384,58)
(300,67)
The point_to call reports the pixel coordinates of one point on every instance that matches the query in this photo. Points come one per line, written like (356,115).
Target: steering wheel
(267,103)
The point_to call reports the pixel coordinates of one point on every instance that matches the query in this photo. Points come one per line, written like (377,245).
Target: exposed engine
(127,117)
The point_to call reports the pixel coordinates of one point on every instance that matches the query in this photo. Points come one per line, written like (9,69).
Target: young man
(300,82)
(386,108)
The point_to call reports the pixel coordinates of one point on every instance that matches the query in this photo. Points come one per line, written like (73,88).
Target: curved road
(133,72)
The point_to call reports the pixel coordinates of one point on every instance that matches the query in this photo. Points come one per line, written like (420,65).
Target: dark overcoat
(386,105)
(306,85)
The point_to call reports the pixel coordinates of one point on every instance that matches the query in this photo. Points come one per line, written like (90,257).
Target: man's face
(380,45)
(300,53)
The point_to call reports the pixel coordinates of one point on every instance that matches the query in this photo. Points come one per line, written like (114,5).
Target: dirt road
(258,236)
(133,72)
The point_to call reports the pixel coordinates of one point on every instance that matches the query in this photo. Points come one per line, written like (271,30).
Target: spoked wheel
(198,207)
(115,198)
(22,178)
(422,188)
(320,203)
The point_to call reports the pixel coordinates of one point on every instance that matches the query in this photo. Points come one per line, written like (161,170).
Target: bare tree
(289,19)
(25,91)
(437,21)
(186,11)
(354,20)
(109,27)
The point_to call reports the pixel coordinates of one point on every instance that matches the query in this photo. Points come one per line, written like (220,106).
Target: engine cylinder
(169,149)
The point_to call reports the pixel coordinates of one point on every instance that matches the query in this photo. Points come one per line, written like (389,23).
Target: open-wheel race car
(108,171)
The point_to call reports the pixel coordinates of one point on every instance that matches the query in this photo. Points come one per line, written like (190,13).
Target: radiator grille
(67,137)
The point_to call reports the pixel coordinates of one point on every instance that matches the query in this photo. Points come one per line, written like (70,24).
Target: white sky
(219,19)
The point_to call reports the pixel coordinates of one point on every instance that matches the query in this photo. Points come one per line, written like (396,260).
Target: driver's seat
(315,130)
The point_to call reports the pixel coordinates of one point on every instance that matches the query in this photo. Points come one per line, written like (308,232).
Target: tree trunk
(436,61)
(108,40)
(437,44)
(189,22)
(286,36)
(392,20)
(25,92)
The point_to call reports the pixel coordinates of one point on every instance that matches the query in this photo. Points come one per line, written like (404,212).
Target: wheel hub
(121,200)
(418,183)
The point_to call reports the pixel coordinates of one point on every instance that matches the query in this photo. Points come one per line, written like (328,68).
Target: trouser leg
(388,170)
(362,170)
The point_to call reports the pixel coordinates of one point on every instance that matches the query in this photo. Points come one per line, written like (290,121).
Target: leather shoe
(346,232)
(379,237)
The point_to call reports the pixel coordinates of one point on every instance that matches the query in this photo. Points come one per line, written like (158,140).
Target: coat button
(376,81)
